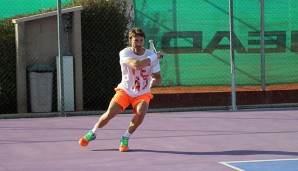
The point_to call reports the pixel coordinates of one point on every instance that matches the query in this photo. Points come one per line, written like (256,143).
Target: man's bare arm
(137,63)
(140,63)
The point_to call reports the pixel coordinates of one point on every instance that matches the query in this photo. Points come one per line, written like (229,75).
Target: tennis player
(140,70)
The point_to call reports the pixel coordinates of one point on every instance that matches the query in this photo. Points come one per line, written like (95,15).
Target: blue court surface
(264,165)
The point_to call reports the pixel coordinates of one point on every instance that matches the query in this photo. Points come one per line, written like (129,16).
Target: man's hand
(159,55)
(156,79)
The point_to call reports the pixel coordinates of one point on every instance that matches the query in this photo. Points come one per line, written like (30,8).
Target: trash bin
(41,80)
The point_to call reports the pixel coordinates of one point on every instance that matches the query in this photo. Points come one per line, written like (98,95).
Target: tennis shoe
(84,141)
(123,144)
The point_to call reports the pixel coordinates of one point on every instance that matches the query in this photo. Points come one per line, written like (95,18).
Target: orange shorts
(124,100)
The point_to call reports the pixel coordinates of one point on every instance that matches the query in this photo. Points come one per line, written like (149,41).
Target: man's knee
(112,111)
(141,112)
(142,108)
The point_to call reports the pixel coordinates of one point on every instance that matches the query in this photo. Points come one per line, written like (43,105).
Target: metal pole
(59,26)
(232,56)
(177,67)
(262,43)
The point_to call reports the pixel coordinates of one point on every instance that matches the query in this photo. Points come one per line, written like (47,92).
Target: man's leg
(141,109)
(112,111)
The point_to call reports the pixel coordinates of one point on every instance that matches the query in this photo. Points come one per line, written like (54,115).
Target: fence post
(61,82)
(234,108)
(262,44)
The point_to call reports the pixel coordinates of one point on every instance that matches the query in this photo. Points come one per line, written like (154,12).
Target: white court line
(233,167)
(250,161)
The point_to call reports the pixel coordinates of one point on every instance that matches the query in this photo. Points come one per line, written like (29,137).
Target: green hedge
(104,24)
(7,67)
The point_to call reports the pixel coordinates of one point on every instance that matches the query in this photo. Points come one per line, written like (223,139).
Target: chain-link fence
(194,36)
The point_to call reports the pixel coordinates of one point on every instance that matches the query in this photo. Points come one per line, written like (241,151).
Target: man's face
(137,42)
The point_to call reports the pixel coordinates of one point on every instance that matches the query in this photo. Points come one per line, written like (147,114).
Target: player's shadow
(227,153)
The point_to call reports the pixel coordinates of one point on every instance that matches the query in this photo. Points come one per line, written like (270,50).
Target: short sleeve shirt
(136,82)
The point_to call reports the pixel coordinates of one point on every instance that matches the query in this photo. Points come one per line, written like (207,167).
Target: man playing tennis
(140,70)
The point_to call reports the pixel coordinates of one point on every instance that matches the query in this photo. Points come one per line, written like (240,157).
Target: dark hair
(136,32)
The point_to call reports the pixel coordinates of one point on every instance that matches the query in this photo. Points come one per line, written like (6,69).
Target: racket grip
(161,56)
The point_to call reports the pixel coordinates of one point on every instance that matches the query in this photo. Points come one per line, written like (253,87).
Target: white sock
(127,134)
(95,128)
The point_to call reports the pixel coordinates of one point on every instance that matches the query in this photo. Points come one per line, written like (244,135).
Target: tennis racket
(152,47)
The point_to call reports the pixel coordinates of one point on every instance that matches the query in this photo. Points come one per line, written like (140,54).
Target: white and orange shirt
(136,82)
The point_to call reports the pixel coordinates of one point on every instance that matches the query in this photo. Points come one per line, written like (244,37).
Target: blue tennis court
(264,165)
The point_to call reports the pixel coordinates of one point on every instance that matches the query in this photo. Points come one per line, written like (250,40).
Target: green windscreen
(194,37)
(13,8)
